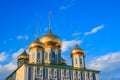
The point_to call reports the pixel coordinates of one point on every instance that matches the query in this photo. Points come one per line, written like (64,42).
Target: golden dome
(36,43)
(63,61)
(51,39)
(77,50)
(24,55)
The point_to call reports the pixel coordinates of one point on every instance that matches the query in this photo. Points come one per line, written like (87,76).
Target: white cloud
(68,44)
(3,56)
(20,37)
(9,67)
(15,55)
(94,30)
(64,7)
(6,69)
(108,64)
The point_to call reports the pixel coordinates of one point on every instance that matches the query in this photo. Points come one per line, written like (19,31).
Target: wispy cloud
(6,69)
(64,7)
(3,56)
(107,64)
(94,30)
(20,37)
(69,44)
(15,55)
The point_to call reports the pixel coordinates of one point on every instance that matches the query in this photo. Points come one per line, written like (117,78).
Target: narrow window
(80,60)
(94,78)
(38,55)
(76,61)
(53,55)
(38,70)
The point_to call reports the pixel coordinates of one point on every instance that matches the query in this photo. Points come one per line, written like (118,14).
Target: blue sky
(97,21)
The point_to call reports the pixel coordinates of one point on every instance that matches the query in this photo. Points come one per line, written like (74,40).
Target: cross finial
(49,25)
(37,30)
(76,35)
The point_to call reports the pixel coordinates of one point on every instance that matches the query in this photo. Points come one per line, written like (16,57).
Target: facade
(44,62)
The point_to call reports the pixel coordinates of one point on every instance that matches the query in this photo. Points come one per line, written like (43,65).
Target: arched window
(76,73)
(53,55)
(38,70)
(46,55)
(76,61)
(38,55)
(33,56)
(82,76)
(94,77)
(80,60)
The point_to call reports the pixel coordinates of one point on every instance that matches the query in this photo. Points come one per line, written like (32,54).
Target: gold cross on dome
(49,25)
(77,36)
(37,25)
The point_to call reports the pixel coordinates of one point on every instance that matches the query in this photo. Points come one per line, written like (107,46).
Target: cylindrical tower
(52,48)
(77,55)
(23,58)
(36,52)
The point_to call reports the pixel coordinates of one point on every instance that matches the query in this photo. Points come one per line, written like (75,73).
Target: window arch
(80,60)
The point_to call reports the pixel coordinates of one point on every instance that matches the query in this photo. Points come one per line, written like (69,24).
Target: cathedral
(44,62)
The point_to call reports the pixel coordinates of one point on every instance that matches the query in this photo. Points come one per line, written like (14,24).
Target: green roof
(55,66)
(63,66)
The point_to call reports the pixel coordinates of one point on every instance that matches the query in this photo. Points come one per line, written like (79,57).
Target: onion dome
(63,61)
(37,44)
(51,39)
(77,50)
(24,56)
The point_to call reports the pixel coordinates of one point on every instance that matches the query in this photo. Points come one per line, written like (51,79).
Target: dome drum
(52,44)
(36,46)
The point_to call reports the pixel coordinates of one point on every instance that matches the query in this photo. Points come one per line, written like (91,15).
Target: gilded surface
(23,55)
(77,50)
(36,43)
(19,57)
(50,38)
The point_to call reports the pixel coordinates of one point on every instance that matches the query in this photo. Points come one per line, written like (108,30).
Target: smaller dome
(36,43)
(77,50)
(24,55)
(63,61)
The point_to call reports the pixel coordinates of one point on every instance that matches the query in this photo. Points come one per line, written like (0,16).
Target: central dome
(51,39)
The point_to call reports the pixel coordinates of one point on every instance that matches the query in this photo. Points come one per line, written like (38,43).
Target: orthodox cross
(77,36)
